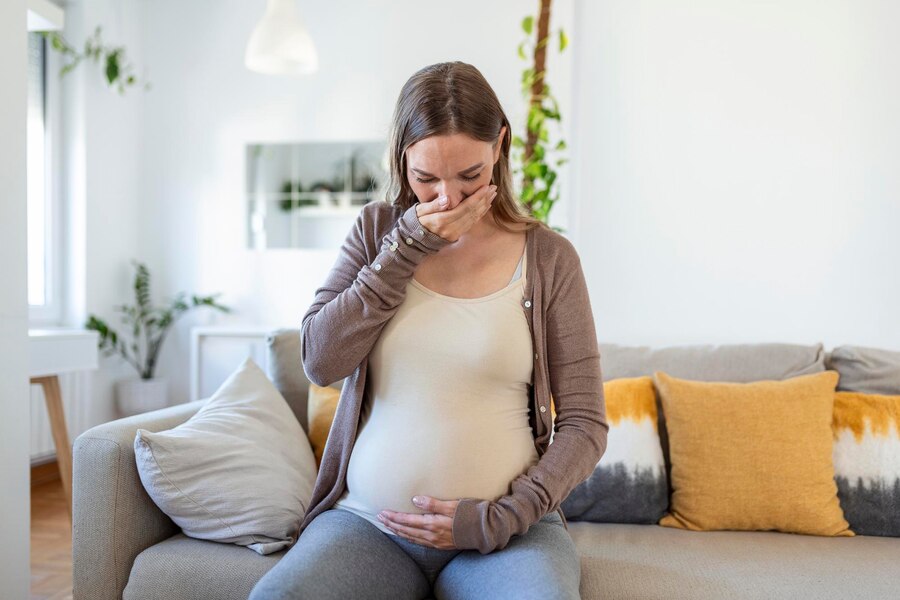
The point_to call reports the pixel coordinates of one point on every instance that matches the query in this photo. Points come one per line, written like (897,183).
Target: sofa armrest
(113,517)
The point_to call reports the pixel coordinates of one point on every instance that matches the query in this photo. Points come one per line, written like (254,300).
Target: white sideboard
(217,350)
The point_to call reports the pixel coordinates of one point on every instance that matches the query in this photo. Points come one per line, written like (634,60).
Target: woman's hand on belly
(434,529)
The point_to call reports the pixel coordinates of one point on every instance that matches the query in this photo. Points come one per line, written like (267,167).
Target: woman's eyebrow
(427,174)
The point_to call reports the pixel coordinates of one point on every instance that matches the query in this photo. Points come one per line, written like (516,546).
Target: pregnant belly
(449,460)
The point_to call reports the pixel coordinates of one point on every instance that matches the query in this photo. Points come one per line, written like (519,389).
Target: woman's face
(453,165)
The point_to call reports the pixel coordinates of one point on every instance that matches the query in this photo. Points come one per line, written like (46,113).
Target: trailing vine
(117,70)
(539,178)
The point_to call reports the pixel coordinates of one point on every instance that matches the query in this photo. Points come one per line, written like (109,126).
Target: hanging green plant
(117,70)
(532,160)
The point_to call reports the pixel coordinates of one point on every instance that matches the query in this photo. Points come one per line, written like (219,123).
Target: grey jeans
(342,555)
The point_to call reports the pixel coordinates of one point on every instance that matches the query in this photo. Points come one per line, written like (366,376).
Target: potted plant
(148,326)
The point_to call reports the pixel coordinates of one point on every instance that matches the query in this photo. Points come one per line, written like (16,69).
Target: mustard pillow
(752,456)
(321,405)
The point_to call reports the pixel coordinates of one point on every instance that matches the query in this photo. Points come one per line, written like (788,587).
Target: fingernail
(443,201)
(493,188)
(416,500)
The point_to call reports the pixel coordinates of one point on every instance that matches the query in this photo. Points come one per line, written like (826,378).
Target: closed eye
(472,178)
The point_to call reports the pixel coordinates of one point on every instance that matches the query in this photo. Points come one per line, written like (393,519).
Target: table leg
(58,427)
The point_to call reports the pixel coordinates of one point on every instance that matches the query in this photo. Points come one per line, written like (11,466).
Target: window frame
(51,313)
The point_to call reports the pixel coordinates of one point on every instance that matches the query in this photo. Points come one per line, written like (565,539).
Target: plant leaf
(528,24)
(112,66)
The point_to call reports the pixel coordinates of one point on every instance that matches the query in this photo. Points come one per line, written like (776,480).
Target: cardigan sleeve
(580,430)
(358,298)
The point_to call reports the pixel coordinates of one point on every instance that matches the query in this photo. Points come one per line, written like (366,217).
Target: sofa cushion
(867,370)
(867,461)
(652,562)
(710,362)
(285,369)
(625,561)
(753,455)
(239,471)
(184,567)
(629,484)
(714,362)
(321,409)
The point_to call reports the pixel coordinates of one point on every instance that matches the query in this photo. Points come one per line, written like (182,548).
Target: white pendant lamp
(280,44)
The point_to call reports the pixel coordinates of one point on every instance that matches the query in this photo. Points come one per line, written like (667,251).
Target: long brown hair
(444,99)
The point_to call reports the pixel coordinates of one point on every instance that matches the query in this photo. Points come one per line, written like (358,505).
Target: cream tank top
(446,408)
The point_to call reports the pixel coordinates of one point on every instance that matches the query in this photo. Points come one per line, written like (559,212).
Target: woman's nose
(454,193)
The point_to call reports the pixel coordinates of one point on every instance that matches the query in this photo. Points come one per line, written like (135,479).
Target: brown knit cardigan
(364,289)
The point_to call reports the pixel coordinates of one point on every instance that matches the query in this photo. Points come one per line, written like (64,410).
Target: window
(44,289)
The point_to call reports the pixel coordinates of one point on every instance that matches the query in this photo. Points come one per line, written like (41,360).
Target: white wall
(737,177)
(102,153)
(730,182)
(15,509)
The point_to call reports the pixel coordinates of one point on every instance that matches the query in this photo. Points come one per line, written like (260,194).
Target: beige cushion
(867,370)
(285,369)
(714,362)
(239,471)
(650,562)
(183,567)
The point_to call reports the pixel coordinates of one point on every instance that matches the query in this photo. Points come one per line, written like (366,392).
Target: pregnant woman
(454,316)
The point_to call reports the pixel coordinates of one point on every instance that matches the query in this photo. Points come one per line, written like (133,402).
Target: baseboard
(46,472)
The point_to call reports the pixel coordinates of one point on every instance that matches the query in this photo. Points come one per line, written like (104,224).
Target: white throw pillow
(240,471)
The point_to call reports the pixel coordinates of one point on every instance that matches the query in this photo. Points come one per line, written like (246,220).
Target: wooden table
(50,353)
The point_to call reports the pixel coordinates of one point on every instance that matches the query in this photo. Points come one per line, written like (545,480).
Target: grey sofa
(125,547)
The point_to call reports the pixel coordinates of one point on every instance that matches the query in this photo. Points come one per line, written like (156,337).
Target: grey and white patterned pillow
(629,484)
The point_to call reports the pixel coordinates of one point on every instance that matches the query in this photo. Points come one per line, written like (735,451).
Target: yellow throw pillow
(321,406)
(752,456)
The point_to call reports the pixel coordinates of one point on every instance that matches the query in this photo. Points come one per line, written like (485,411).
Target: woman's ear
(499,143)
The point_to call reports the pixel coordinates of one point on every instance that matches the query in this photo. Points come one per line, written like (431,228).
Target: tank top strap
(519,269)
(525,260)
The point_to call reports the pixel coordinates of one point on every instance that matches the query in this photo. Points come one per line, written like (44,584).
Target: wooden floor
(51,537)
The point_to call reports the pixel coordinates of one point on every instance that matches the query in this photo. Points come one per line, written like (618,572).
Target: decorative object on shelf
(361,180)
(306,195)
(365,183)
(291,198)
(148,325)
(538,177)
(280,43)
(325,186)
(117,69)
